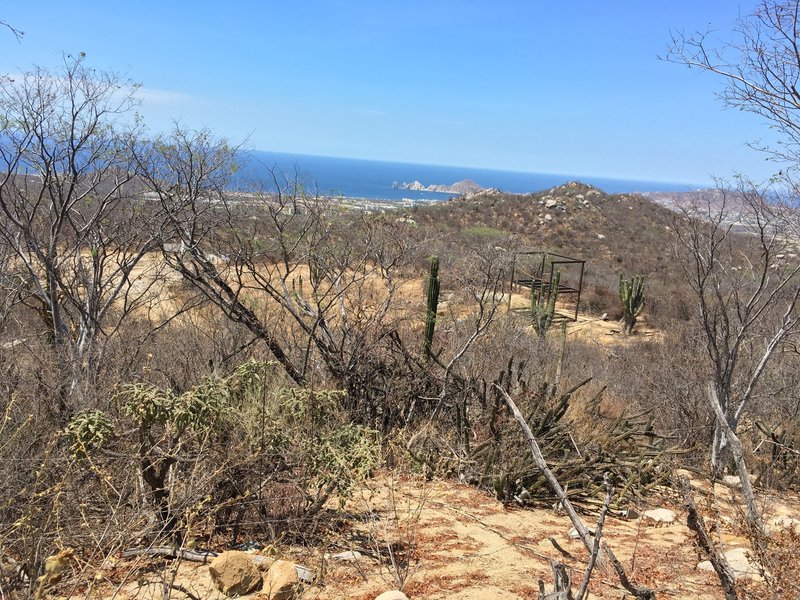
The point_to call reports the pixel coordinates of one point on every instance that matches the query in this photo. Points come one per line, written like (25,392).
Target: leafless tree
(747,292)
(760,68)
(593,546)
(312,284)
(71,220)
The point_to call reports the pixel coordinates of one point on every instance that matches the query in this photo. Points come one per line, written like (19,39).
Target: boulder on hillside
(281,581)
(234,573)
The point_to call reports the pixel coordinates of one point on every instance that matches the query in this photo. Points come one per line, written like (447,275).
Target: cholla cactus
(631,293)
(89,430)
(432,304)
(543,306)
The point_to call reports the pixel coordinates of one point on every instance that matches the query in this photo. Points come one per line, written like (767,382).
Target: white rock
(392,595)
(738,561)
(660,515)
(786,522)
(600,236)
(349,556)
(550,203)
(573,533)
(548,217)
(732,480)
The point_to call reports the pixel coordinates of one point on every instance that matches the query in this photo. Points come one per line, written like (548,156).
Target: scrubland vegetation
(187,366)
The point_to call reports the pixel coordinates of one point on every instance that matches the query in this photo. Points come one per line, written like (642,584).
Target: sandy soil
(601,331)
(462,544)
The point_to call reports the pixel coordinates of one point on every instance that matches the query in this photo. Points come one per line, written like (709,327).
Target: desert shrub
(482,231)
(598,299)
(234,454)
(476,439)
(300,433)
(89,431)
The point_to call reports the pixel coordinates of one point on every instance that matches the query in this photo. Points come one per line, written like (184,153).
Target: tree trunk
(738,456)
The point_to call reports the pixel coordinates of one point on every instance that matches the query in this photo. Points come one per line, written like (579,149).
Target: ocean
(354,178)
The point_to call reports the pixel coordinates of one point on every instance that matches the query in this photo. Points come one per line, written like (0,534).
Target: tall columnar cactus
(543,306)
(631,293)
(431,304)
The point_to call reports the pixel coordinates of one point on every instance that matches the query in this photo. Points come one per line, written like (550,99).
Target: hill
(617,234)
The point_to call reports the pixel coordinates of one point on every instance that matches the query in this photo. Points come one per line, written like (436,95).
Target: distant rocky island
(465,186)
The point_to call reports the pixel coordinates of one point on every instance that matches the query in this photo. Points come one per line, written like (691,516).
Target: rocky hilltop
(465,186)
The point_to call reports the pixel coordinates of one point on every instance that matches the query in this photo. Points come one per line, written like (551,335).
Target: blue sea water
(354,178)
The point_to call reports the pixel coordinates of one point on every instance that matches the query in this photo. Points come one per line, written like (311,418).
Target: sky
(573,87)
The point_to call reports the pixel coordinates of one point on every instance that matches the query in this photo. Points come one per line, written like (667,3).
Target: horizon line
(703,185)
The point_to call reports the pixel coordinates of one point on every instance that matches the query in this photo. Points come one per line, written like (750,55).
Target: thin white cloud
(144,94)
(162,97)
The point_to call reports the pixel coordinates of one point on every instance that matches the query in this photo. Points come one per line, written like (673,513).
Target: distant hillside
(625,230)
(615,233)
(703,202)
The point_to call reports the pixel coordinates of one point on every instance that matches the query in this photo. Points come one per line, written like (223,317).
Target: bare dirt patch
(459,542)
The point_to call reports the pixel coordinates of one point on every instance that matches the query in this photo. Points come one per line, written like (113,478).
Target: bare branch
(19,34)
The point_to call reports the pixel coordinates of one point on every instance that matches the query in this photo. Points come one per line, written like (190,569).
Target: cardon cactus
(431,304)
(631,293)
(543,306)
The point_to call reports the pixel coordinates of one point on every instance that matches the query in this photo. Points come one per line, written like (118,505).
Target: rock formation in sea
(466,186)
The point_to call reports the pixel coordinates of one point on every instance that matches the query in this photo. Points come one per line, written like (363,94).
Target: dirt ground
(453,541)
(600,330)
(441,539)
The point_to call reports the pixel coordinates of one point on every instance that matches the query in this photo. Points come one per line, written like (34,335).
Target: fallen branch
(538,458)
(721,567)
(191,555)
(641,593)
(562,584)
(741,465)
(583,591)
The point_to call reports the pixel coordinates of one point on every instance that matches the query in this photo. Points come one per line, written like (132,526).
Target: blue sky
(570,87)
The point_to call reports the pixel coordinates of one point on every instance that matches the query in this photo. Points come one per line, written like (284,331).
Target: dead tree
(593,546)
(70,216)
(759,68)
(315,287)
(733,254)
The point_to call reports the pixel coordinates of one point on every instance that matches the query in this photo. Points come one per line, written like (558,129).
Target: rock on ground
(738,561)
(234,573)
(661,516)
(786,522)
(281,582)
(732,480)
(392,595)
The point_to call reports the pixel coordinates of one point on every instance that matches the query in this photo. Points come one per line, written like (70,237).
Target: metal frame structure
(536,280)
